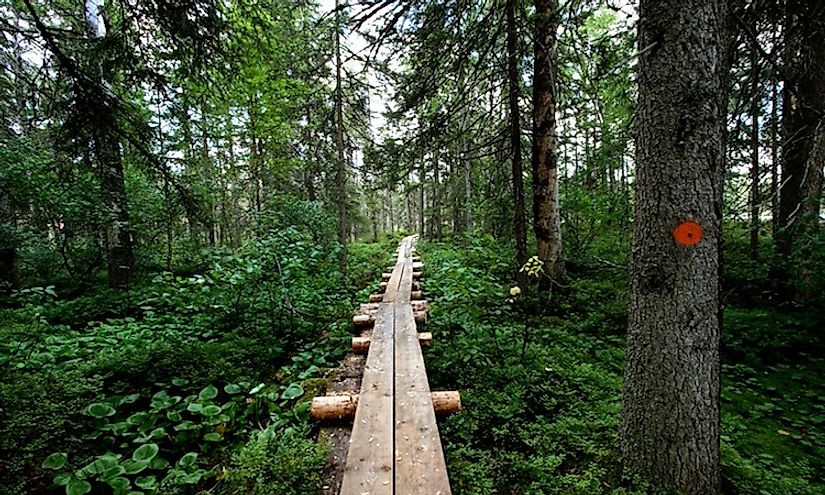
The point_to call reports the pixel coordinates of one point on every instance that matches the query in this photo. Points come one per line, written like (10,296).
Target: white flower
(514,291)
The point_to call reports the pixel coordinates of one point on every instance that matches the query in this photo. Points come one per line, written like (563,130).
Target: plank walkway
(394,447)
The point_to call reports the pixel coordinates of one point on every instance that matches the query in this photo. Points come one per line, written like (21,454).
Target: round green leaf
(113,472)
(55,461)
(210,410)
(62,479)
(145,452)
(232,388)
(78,487)
(293,391)
(147,482)
(120,483)
(188,459)
(179,382)
(193,478)
(137,418)
(213,437)
(134,467)
(208,393)
(100,410)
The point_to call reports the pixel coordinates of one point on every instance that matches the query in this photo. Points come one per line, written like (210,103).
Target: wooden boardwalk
(394,446)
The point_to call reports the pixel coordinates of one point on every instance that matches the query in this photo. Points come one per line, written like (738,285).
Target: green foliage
(542,395)
(149,390)
(276,462)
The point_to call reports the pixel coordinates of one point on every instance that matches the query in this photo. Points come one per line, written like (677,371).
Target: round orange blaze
(688,233)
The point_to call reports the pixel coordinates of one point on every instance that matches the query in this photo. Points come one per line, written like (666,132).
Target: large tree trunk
(117,232)
(670,412)
(519,227)
(341,166)
(547,222)
(803,114)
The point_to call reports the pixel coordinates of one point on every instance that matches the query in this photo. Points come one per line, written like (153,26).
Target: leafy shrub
(277,462)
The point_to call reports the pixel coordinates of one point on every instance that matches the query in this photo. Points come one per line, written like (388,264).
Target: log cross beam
(395,447)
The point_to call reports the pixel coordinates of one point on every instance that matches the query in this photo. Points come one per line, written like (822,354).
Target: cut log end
(416,295)
(376,298)
(360,345)
(420,316)
(363,320)
(334,407)
(417,275)
(446,402)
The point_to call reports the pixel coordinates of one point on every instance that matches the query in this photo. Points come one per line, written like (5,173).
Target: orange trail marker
(688,233)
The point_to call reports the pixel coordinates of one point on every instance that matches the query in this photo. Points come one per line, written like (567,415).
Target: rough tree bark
(803,114)
(670,411)
(546,219)
(117,232)
(519,224)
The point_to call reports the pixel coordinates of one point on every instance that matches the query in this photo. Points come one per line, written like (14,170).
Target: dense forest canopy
(619,205)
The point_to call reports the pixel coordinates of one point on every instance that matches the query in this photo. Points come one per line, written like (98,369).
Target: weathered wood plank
(420,468)
(370,463)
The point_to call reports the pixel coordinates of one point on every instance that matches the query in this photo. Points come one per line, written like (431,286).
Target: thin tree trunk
(421,178)
(341,168)
(755,197)
(117,232)
(546,219)
(8,250)
(468,174)
(670,412)
(775,145)
(436,196)
(803,114)
(255,155)
(519,223)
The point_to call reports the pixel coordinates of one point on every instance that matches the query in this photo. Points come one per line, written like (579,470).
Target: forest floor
(202,381)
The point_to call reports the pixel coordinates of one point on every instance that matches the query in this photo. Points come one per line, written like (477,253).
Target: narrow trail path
(393,446)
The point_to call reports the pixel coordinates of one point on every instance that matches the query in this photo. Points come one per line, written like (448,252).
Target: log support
(376,298)
(362,321)
(360,345)
(343,407)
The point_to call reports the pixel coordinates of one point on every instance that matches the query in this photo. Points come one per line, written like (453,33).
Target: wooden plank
(370,463)
(404,292)
(419,461)
(394,284)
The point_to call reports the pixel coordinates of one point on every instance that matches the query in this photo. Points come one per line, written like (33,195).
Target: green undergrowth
(541,382)
(182,383)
